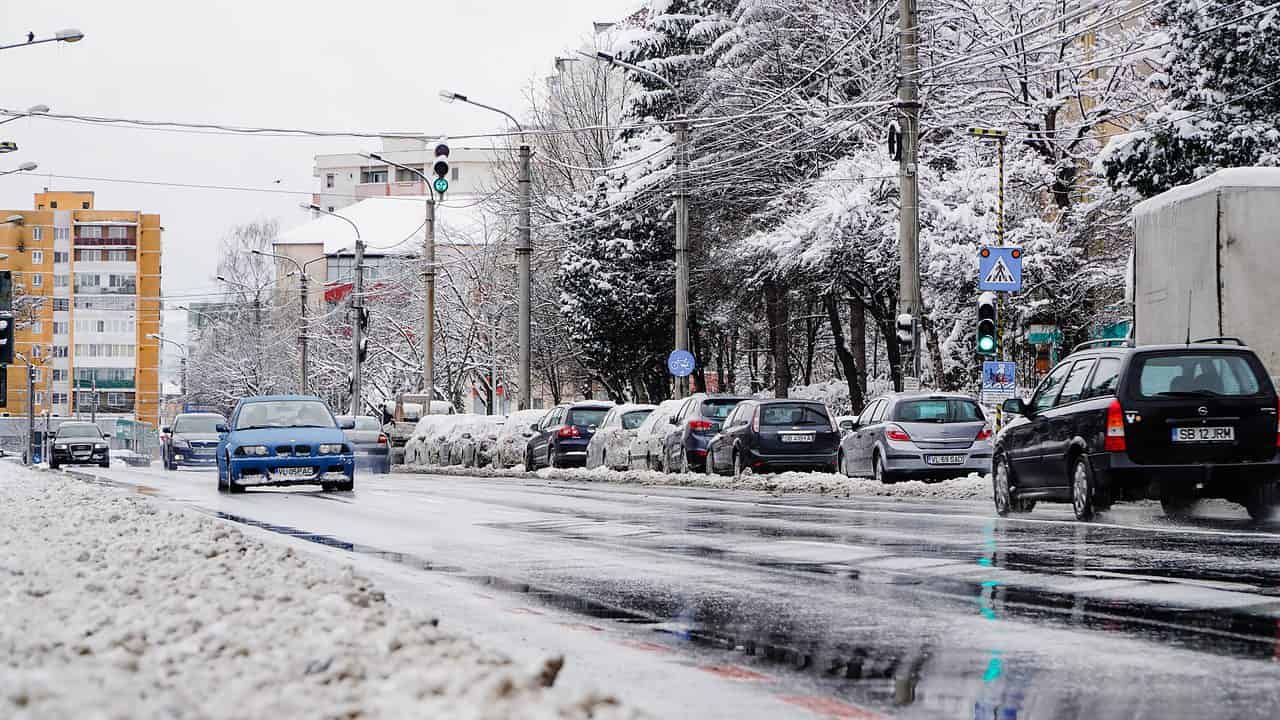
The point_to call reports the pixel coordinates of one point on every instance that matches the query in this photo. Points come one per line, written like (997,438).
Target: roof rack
(1223,340)
(1104,342)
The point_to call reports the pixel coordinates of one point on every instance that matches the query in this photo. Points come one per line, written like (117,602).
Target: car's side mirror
(533,427)
(222,428)
(165,430)
(347,424)
(1014,406)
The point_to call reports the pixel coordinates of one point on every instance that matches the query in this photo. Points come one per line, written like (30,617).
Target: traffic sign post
(680,363)
(1000,268)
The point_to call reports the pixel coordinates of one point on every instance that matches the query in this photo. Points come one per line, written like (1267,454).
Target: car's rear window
(585,417)
(197,424)
(775,415)
(718,409)
(635,419)
(1197,374)
(365,422)
(938,410)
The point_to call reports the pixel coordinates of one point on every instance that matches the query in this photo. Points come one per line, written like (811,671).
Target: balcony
(126,289)
(398,188)
(83,384)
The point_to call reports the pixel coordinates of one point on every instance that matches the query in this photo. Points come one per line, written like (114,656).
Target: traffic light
(364,349)
(441,169)
(986,341)
(363,315)
(6,338)
(906,333)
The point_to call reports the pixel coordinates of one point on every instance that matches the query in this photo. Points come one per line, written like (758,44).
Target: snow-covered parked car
(425,438)
(610,445)
(514,437)
(462,437)
(645,452)
(477,450)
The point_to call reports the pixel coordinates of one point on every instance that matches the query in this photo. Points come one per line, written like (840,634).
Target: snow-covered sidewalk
(971,487)
(114,606)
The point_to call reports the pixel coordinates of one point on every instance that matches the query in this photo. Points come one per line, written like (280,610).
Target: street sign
(680,363)
(999,381)
(910,384)
(1000,268)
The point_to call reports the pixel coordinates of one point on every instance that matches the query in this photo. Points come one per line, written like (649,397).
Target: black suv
(1170,422)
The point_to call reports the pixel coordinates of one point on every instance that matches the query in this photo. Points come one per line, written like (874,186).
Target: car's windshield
(585,417)
(197,424)
(719,409)
(634,419)
(79,431)
(1197,375)
(367,423)
(284,413)
(793,414)
(938,410)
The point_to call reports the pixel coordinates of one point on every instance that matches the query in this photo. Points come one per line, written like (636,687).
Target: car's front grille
(203,444)
(293,451)
(81,448)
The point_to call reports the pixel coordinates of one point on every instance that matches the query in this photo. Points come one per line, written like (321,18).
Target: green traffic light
(986,344)
(441,185)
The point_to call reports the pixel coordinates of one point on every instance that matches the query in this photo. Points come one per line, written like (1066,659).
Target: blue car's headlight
(334,449)
(252,450)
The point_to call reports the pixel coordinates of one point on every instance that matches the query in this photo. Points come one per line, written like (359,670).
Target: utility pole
(524,249)
(909,298)
(429,332)
(682,245)
(302,335)
(186,392)
(357,326)
(31,413)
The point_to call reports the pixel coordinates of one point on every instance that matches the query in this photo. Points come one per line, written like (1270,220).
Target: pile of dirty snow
(115,607)
(973,486)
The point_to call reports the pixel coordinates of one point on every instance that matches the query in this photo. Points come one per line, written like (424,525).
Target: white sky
(372,65)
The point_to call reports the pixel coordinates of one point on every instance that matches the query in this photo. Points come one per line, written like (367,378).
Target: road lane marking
(831,708)
(733,672)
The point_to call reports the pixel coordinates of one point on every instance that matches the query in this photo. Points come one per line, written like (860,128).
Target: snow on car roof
(633,407)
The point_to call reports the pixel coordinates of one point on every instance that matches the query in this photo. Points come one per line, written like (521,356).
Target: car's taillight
(983,434)
(755,421)
(897,434)
(382,439)
(697,425)
(1114,441)
(569,431)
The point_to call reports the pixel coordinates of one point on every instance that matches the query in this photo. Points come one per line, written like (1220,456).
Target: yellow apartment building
(86,288)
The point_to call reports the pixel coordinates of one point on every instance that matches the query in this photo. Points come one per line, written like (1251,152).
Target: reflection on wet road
(902,608)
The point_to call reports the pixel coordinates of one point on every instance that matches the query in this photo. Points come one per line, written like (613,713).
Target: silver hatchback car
(925,436)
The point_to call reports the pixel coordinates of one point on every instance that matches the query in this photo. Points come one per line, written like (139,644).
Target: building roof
(393,226)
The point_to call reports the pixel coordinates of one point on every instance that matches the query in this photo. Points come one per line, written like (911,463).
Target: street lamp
(33,110)
(303,279)
(8,146)
(24,167)
(183,348)
(357,307)
(70,35)
(524,250)
(681,197)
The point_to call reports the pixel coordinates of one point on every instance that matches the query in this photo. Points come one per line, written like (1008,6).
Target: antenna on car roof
(1190,295)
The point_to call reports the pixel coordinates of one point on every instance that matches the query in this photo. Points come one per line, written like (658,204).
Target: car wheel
(105,463)
(878,473)
(1001,487)
(53,465)
(738,467)
(841,467)
(1262,501)
(1084,489)
(222,480)
(528,460)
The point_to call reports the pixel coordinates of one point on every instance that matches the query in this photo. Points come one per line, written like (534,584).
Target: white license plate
(797,437)
(944,459)
(294,472)
(1204,434)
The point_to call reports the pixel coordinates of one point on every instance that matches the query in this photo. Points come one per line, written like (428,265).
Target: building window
(37,280)
(61,281)
(37,257)
(60,256)
(53,205)
(59,374)
(40,395)
(328,180)
(59,398)
(89,255)
(61,327)
(37,327)
(61,304)
(119,232)
(90,231)
(37,233)
(60,351)
(84,205)
(373,175)
(115,399)
(453,173)
(118,255)
(61,233)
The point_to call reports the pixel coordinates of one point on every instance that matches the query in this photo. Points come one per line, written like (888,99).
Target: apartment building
(348,178)
(86,285)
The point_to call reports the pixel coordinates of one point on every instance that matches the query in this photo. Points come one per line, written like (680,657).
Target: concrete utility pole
(31,413)
(909,298)
(682,244)
(524,249)
(429,332)
(357,325)
(302,332)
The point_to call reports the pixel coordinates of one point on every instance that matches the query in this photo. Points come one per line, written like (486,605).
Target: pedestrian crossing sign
(1000,268)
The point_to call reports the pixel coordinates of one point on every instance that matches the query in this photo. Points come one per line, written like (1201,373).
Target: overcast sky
(373,65)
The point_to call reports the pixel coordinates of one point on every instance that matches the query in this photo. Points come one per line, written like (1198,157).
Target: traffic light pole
(357,326)
(524,249)
(682,246)
(909,298)
(31,413)
(429,329)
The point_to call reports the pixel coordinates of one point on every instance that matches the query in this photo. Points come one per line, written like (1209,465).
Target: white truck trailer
(1206,262)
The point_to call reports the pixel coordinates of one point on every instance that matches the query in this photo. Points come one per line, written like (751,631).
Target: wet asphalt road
(836,608)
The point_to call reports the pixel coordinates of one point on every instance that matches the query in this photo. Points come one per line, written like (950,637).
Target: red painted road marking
(830,707)
(733,672)
(482,595)
(525,611)
(648,646)
(580,626)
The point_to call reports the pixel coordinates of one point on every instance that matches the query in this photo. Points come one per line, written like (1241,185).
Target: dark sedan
(775,435)
(78,443)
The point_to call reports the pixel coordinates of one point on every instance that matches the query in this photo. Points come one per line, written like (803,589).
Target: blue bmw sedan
(275,440)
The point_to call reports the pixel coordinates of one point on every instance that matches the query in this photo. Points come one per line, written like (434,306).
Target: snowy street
(705,602)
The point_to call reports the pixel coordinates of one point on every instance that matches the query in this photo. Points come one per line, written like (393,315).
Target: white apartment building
(348,178)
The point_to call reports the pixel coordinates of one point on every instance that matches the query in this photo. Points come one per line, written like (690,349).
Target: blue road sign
(999,380)
(680,363)
(1000,268)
